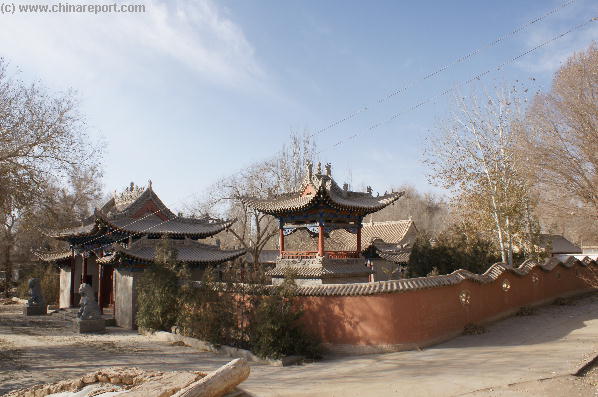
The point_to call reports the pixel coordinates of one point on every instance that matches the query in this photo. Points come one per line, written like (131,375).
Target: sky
(191,91)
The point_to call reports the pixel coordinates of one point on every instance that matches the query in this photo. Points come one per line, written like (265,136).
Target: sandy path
(508,360)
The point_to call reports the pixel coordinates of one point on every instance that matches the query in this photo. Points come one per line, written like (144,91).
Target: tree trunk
(510,243)
(7,246)
(501,243)
(219,382)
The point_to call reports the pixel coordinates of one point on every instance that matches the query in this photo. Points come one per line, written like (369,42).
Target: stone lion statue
(35,293)
(89,309)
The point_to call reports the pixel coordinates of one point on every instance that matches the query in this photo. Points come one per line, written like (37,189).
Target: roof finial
(149,184)
(369,190)
(132,186)
(328,169)
(310,169)
(319,170)
(345,186)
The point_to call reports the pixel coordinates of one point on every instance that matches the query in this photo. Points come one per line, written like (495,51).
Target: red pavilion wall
(406,320)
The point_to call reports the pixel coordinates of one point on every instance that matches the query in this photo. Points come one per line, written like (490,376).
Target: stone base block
(34,310)
(89,326)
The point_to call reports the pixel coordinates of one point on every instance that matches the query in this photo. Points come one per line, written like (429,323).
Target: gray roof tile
(188,251)
(493,273)
(326,191)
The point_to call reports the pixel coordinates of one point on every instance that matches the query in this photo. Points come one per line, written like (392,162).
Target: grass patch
(474,329)
(526,311)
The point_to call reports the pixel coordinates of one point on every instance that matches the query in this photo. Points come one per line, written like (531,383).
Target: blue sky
(191,91)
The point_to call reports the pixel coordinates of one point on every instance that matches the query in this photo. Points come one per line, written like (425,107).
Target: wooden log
(219,382)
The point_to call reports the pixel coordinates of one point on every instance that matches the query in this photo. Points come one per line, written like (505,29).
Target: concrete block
(34,310)
(89,326)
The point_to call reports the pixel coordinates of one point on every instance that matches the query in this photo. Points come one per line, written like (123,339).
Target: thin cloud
(85,48)
(550,58)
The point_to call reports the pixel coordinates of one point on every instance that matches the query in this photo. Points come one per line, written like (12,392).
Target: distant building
(558,245)
(389,248)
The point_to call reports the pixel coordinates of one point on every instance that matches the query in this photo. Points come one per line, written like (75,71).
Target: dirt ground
(533,355)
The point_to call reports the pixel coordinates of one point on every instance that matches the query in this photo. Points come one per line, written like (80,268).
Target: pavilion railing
(342,254)
(313,254)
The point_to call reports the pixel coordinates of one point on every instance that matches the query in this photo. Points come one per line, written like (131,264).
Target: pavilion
(321,206)
(110,249)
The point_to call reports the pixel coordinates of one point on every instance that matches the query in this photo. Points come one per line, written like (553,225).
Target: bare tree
(429,211)
(283,173)
(474,156)
(41,139)
(561,144)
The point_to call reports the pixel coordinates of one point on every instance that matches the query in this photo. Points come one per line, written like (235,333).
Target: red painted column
(101,283)
(321,240)
(281,241)
(101,288)
(84,270)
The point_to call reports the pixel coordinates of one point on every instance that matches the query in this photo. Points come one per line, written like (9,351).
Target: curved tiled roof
(54,256)
(82,230)
(129,214)
(326,191)
(151,224)
(391,232)
(397,253)
(557,244)
(188,251)
(454,278)
(137,197)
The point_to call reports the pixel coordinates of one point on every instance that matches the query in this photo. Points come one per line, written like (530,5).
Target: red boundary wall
(411,313)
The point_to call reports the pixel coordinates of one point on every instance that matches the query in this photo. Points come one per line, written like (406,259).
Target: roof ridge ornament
(310,169)
(328,167)
(128,196)
(319,170)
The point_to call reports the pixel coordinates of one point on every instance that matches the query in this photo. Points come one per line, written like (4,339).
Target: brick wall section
(415,317)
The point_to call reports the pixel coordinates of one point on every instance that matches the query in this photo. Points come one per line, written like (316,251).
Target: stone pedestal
(34,310)
(89,326)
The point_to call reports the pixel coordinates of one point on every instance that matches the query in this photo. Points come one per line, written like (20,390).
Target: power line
(374,126)
(445,67)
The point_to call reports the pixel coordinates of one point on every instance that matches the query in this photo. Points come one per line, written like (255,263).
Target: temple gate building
(320,206)
(111,248)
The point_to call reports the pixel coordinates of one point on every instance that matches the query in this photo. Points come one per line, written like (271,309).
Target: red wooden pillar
(281,241)
(321,240)
(84,270)
(358,240)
